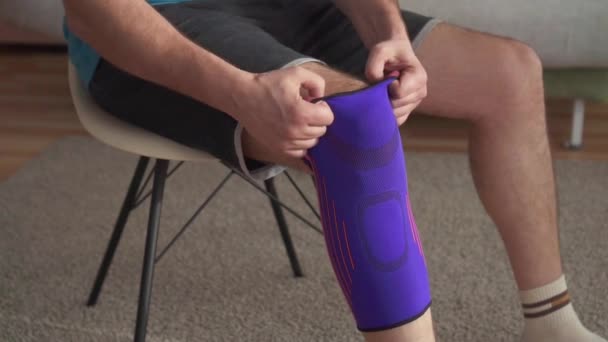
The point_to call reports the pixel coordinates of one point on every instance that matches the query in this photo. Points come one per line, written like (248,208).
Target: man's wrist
(211,80)
(238,89)
(375,20)
(387,25)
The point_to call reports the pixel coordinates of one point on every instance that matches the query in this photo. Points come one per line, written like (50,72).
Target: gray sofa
(31,21)
(569,36)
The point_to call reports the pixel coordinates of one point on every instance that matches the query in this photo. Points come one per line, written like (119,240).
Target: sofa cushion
(588,84)
(39,16)
(565,33)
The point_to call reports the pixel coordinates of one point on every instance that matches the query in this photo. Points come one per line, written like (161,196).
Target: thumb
(313,83)
(374,70)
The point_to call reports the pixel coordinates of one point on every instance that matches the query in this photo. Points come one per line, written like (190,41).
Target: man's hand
(380,25)
(274,109)
(396,58)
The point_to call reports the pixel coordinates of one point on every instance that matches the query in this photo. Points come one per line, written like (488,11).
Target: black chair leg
(278,213)
(119,226)
(147,275)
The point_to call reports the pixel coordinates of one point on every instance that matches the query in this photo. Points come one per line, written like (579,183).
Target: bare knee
(516,84)
(523,70)
(335,81)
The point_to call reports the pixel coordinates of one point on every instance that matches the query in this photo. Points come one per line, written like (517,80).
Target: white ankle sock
(550,317)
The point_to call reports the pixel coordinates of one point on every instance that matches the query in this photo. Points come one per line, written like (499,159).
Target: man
(234,78)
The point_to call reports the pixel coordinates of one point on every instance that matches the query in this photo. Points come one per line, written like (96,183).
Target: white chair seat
(122,135)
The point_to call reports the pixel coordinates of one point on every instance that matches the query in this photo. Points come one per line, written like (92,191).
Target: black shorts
(264,35)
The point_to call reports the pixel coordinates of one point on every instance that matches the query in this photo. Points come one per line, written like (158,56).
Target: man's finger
(395,90)
(318,114)
(312,82)
(296,153)
(313,132)
(392,73)
(405,110)
(303,144)
(374,70)
(415,97)
(405,86)
(410,98)
(401,120)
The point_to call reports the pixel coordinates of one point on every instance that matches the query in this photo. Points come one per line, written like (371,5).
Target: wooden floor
(36,110)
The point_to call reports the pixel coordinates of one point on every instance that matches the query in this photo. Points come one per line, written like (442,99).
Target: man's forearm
(374,20)
(133,36)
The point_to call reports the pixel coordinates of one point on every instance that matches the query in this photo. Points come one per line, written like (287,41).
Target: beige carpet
(229,279)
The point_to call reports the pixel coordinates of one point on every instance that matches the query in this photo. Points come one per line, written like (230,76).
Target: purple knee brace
(371,236)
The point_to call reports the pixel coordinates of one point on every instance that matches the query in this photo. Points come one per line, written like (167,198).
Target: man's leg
(496,84)
(336,82)
(195,124)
